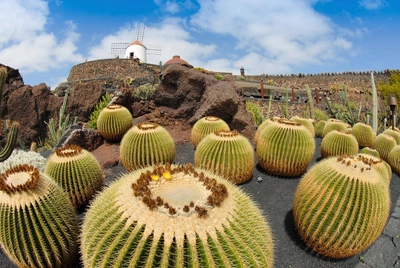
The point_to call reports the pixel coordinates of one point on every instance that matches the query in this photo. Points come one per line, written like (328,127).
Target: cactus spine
(205,126)
(364,134)
(228,154)
(11,141)
(322,214)
(175,216)
(285,148)
(146,144)
(38,225)
(77,171)
(113,122)
(338,143)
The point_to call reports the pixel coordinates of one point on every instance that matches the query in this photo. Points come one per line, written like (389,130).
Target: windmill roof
(136,42)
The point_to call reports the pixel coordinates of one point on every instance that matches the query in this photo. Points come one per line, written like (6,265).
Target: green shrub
(320,115)
(97,109)
(240,77)
(144,92)
(218,77)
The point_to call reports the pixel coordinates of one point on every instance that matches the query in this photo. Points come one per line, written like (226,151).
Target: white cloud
(372,4)
(25,44)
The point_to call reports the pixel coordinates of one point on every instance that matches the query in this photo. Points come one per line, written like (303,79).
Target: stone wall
(112,69)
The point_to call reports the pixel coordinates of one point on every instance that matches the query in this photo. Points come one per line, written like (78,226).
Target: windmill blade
(153,49)
(118,48)
(138,33)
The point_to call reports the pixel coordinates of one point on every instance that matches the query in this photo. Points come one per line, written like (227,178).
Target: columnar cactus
(364,134)
(394,133)
(384,144)
(323,217)
(77,171)
(227,153)
(38,224)
(332,124)
(113,122)
(205,126)
(146,144)
(319,128)
(338,143)
(285,148)
(175,216)
(11,141)
(306,122)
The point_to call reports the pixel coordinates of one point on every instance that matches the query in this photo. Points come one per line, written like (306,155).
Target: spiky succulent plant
(384,143)
(113,122)
(77,171)
(205,126)
(370,151)
(175,216)
(306,122)
(338,143)
(333,124)
(227,153)
(394,133)
(261,128)
(323,217)
(381,166)
(146,144)
(364,134)
(319,128)
(285,148)
(11,141)
(394,159)
(38,224)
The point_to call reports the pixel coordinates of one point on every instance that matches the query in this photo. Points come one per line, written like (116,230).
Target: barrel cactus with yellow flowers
(364,134)
(384,143)
(338,143)
(77,171)
(38,224)
(227,153)
(113,122)
(323,217)
(146,144)
(205,126)
(175,216)
(285,148)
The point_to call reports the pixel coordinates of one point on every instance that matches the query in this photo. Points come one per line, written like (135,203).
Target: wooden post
(262,89)
(316,95)
(293,94)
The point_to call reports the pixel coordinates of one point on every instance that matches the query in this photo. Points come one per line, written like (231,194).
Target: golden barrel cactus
(77,171)
(394,133)
(384,143)
(146,144)
(334,124)
(285,148)
(338,143)
(319,128)
(323,217)
(370,151)
(38,224)
(227,153)
(393,159)
(364,134)
(205,126)
(113,122)
(175,216)
(306,122)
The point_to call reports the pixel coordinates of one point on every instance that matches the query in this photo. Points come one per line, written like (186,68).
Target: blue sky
(44,39)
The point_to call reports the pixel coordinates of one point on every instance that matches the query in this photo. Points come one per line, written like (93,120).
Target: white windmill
(136,49)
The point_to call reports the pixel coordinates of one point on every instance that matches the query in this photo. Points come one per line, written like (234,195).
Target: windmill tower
(136,49)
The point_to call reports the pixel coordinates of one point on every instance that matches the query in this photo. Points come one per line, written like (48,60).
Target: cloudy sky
(44,39)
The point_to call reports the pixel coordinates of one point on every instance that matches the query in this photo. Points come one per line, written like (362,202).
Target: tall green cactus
(311,102)
(374,105)
(11,141)
(3,76)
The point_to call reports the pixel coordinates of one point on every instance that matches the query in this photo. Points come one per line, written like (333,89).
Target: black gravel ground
(275,195)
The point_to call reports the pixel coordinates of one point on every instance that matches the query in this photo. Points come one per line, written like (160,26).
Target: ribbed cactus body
(146,144)
(370,151)
(381,166)
(205,126)
(323,217)
(394,159)
(338,143)
(38,224)
(175,216)
(285,148)
(305,122)
(364,134)
(319,128)
(113,122)
(394,133)
(384,143)
(11,141)
(333,124)
(227,153)
(77,171)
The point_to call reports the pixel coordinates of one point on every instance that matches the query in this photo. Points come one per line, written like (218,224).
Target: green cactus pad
(77,171)
(285,148)
(205,126)
(306,122)
(38,224)
(333,124)
(228,154)
(113,122)
(338,143)
(341,206)
(384,143)
(319,128)
(364,134)
(146,144)
(175,216)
